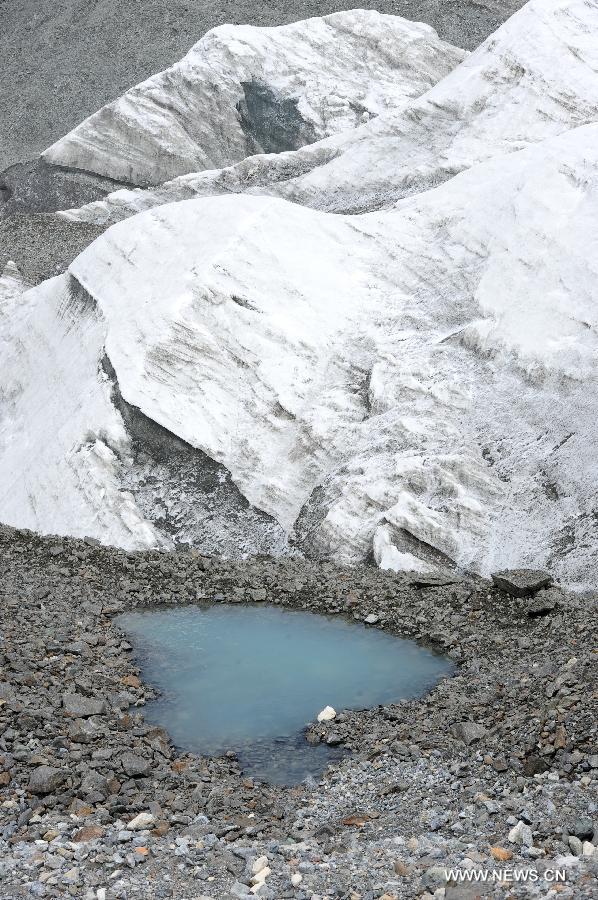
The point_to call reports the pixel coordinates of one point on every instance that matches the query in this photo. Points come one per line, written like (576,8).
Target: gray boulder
(46,779)
(134,765)
(522,582)
(583,829)
(468,732)
(544,602)
(94,784)
(80,707)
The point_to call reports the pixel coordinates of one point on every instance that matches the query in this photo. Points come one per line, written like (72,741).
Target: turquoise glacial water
(248,678)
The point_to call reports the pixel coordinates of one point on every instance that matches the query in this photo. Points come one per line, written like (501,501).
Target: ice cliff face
(61,440)
(427,371)
(415,382)
(244,90)
(535,78)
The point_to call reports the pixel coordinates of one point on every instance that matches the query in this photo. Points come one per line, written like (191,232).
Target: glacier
(427,367)
(535,78)
(61,440)
(384,341)
(244,89)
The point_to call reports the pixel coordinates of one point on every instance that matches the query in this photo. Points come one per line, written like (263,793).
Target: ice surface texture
(413,381)
(243,90)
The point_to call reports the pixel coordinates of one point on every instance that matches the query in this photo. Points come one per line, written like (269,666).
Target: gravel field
(497,767)
(41,244)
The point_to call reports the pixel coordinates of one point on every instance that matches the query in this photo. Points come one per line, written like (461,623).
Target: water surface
(249,678)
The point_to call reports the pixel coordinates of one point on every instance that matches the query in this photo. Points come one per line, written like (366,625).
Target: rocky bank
(497,768)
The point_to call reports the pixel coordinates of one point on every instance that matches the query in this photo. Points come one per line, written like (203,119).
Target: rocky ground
(497,768)
(42,245)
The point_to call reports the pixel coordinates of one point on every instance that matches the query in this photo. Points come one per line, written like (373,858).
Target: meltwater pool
(248,678)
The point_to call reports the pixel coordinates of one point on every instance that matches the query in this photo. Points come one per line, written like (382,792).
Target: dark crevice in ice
(272,124)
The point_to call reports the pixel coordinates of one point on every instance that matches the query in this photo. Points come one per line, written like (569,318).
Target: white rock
(296,879)
(521,834)
(575,845)
(259,864)
(327,714)
(569,862)
(260,877)
(141,822)
(588,849)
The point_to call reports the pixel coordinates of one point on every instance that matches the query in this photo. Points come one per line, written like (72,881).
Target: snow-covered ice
(426,368)
(62,442)
(12,285)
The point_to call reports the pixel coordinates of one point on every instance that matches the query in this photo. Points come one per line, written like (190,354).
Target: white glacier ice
(243,89)
(535,78)
(12,285)
(61,439)
(414,383)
